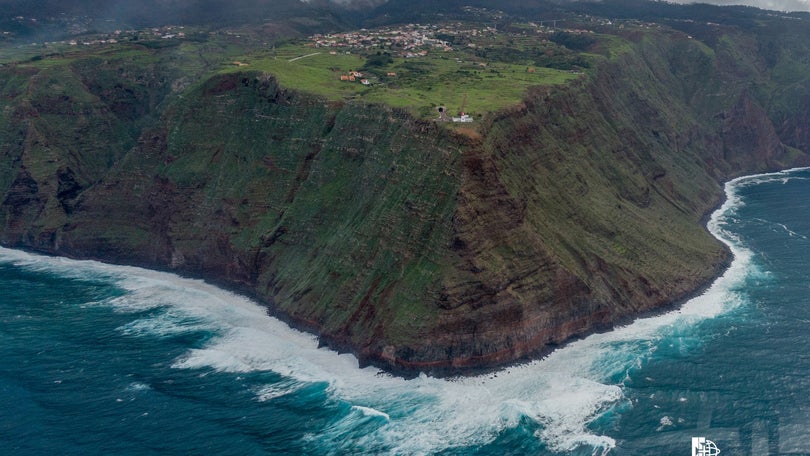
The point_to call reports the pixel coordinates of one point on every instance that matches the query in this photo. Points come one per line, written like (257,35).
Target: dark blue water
(96,359)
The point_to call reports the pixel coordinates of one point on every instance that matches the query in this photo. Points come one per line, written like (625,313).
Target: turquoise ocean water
(98,359)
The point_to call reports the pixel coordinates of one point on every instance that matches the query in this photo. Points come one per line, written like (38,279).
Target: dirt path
(303,56)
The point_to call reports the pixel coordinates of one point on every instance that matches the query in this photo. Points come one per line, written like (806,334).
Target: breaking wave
(557,399)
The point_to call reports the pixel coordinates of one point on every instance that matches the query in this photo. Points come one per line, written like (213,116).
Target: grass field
(421,84)
(490,74)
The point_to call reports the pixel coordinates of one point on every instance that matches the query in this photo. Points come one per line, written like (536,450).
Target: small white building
(464,118)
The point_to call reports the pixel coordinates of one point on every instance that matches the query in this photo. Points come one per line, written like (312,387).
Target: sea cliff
(415,246)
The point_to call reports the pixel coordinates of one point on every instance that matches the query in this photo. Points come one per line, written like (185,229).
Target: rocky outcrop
(417,248)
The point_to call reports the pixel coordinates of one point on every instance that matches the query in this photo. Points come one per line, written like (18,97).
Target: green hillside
(574,201)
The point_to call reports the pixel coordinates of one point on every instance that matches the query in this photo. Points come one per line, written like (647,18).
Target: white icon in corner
(703,447)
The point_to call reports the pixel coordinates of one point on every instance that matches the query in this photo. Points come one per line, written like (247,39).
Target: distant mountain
(224,12)
(731,14)
(46,20)
(158,12)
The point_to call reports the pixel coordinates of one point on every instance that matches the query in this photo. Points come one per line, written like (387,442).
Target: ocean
(99,359)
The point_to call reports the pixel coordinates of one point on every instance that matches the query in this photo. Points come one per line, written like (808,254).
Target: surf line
(563,392)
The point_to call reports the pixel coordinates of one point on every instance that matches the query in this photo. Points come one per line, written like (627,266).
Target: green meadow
(453,79)
(480,75)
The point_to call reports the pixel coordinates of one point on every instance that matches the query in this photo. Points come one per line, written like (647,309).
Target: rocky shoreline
(417,248)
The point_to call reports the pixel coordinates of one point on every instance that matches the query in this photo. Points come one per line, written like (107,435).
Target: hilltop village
(452,71)
(444,61)
(408,41)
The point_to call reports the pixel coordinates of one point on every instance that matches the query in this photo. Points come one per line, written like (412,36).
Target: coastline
(439,369)
(582,370)
(724,203)
(727,201)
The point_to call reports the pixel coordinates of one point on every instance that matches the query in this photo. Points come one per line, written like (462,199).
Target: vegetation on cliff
(416,246)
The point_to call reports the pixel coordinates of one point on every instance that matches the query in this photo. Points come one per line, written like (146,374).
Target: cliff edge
(416,247)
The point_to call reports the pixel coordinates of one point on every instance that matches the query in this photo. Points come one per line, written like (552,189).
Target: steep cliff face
(415,247)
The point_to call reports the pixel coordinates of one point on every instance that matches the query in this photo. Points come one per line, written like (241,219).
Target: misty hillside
(51,19)
(54,19)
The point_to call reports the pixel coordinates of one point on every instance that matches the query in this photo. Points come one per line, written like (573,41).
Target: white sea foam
(665,422)
(275,390)
(368,411)
(167,323)
(561,394)
(138,386)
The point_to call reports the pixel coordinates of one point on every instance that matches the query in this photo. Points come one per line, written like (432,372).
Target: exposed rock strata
(411,246)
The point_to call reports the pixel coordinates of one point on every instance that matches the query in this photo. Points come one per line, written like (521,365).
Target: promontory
(323,174)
